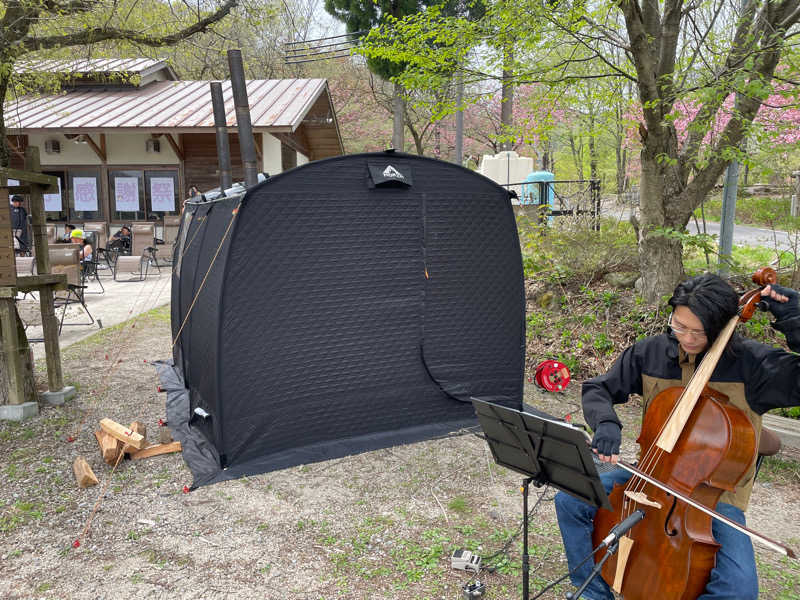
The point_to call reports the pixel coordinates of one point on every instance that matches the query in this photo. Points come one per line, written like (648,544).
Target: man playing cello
(754,376)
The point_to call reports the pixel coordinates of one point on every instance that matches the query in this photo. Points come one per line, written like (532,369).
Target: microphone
(622,528)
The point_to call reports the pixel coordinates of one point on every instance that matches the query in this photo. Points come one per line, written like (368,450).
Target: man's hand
(781,301)
(606,441)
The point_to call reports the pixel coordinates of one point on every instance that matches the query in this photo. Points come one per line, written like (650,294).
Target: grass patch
(779,470)
(101,338)
(757,211)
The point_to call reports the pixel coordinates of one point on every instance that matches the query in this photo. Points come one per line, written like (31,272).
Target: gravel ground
(376,525)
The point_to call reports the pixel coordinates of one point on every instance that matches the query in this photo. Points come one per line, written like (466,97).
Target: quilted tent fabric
(346,305)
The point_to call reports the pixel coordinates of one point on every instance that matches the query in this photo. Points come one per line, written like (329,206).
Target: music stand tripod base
(544,450)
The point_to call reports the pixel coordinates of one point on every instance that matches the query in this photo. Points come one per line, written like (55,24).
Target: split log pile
(117,442)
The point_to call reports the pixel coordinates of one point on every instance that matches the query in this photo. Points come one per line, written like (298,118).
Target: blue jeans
(733,578)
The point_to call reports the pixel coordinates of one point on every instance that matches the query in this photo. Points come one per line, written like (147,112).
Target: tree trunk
(661,200)
(417,140)
(398,118)
(577,154)
(621,166)
(5,154)
(507,103)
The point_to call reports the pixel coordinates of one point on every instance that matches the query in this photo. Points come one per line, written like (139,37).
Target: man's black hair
(17,198)
(710,298)
(69,226)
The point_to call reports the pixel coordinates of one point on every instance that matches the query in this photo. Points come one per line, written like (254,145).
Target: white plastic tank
(506,168)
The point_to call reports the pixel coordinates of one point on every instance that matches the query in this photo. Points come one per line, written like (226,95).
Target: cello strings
(653,455)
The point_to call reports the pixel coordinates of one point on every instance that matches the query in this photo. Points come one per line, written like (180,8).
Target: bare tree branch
(100,34)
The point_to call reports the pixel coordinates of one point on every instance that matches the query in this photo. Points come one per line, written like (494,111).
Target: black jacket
(771,376)
(19,220)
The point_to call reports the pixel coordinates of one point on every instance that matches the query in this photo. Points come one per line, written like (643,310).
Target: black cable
(515,536)
(563,577)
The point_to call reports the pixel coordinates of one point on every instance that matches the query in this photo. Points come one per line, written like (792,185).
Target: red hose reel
(552,375)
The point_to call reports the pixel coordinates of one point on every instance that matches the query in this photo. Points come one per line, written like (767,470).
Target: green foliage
(458,504)
(572,250)
(759,211)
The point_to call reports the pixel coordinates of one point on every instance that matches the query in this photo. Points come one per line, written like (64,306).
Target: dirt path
(376,525)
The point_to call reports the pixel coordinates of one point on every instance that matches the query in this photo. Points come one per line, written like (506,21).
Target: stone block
(58,398)
(18,412)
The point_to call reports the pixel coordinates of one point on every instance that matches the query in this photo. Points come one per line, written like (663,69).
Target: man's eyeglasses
(681,330)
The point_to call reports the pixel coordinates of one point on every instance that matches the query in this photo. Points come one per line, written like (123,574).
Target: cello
(695,445)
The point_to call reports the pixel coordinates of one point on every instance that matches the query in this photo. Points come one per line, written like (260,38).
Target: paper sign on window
(52,202)
(10,183)
(162,194)
(85,191)
(126,192)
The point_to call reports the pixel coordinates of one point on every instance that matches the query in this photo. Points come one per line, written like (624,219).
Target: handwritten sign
(52,202)
(84,190)
(126,193)
(162,194)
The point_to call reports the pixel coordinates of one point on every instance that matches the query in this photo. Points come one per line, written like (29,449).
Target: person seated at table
(67,237)
(77,237)
(122,239)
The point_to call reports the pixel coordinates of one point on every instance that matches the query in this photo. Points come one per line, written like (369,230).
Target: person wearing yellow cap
(77,237)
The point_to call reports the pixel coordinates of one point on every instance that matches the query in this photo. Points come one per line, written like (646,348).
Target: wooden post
(55,378)
(15,367)
(16,374)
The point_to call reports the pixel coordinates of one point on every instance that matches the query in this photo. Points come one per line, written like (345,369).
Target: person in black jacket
(754,376)
(19,222)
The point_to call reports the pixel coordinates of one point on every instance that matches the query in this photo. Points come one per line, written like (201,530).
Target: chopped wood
(123,434)
(110,447)
(157,449)
(139,428)
(83,473)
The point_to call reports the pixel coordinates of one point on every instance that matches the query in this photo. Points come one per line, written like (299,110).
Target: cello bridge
(642,498)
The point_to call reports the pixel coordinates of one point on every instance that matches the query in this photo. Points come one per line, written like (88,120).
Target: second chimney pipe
(247,143)
(223,144)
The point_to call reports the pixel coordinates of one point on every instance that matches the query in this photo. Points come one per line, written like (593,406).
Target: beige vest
(652,386)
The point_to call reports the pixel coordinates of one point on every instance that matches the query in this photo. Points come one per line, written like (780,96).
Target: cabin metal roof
(95,66)
(276,105)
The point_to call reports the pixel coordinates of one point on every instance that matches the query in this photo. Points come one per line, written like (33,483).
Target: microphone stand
(525,558)
(610,552)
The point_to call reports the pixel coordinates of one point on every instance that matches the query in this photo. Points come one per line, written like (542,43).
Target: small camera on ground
(476,589)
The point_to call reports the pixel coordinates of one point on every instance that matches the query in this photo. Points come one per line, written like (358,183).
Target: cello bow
(762,539)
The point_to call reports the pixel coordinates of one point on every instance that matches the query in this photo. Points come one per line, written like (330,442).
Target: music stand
(545,451)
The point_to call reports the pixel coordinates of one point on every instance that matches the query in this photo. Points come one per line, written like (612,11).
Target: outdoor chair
(89,268)
(143,242)
(64,259)
(172,224)
(100,229)
(143,253)
(768,445)
(26,266)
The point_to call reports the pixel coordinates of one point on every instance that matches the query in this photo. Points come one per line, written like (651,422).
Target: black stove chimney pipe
(223,144)
(247,143)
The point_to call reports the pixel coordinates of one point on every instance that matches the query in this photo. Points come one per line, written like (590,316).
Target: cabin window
(143,195)
(84,195)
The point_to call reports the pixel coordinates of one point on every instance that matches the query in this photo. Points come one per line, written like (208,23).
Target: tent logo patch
(390,175)
(391,172)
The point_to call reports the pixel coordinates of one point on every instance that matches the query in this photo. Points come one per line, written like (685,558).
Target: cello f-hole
(669,516)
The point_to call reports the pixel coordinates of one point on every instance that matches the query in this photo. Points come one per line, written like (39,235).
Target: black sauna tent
(355,303)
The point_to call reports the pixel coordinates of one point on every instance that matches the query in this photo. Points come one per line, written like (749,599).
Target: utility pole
(459,149)
(729,193)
